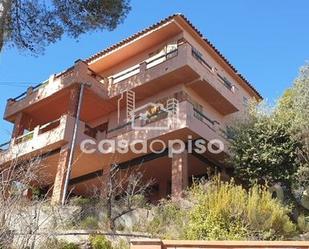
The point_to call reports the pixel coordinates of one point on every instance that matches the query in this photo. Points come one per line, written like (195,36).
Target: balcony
(51,89)
(154,74)
(180,65)
(42,139)
(190,122)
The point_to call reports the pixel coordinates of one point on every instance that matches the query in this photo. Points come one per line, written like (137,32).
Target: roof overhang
(158,33)
(132,46)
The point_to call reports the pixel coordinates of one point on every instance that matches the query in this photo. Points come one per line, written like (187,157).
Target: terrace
(51,88)
(190,121)
(41,139)
(176,65)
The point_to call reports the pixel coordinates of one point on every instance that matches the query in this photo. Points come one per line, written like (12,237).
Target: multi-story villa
(166,68)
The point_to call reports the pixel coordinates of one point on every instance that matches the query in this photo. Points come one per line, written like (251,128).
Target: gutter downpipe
(76,124)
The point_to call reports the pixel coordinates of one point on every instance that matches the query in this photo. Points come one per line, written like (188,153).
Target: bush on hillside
(58,244)
(100,242)
(89,222)
(225,211)
(168,222)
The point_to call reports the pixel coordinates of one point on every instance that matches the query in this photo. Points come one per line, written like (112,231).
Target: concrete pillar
(60,175)
(62,168)
(179,173)
(19,125)
(73,102)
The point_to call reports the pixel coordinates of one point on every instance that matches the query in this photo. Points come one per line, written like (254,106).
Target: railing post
(81,68)
(143,67)
(51,78)
(29,90)
(12,142)
(63,119)
(36,132)
(10,101)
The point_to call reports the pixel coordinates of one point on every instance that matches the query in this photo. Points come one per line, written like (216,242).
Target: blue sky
(266,40)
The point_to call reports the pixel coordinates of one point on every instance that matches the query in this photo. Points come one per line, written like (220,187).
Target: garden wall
(186,244)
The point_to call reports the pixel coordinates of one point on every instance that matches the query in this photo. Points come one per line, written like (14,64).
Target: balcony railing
(162,57)
(31,89)
(49,126)
(124,74)
(50,135)
(226,83)
(25,137)
(63,75)
(156,60)
(41,129)
(5,146)
(136,69)
(212,124)
(204,119)
(35,88)
(199,56)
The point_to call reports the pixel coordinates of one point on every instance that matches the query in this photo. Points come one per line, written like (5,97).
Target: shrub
(100,242)
(227,211)
(69,246)
(81,201)
(168,222)
(58,244)
(89,222)
(303,223)
(122,244)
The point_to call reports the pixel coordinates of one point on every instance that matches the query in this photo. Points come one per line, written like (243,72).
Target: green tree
(31,25)
(263,151)
(293,111)
(273,146)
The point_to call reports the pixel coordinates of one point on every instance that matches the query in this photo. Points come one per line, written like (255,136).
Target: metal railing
(204,119)
(212,124)
(49,126)
(25,137)
(42,84)
(5,146)
(160,59)
(199,57)
(136,69)
(119,127)
(156,60)
(125,74)
(20,97)
(42,129)
(34,89)
(225,82)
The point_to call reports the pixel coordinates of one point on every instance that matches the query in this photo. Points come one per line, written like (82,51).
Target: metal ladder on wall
(130,104)
(172,105)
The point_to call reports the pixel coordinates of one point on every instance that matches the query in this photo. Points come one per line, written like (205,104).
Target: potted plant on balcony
(152,113)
